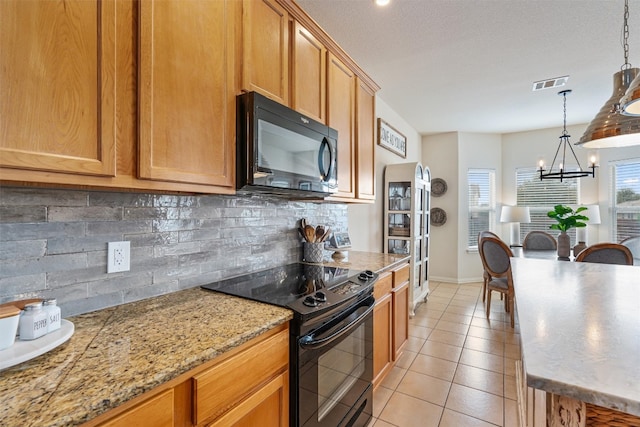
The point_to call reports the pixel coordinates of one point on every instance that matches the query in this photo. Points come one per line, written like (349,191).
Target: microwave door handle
(325,145)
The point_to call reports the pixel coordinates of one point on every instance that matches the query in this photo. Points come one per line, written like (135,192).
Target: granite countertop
(580,330)
(366,261)
(119,353)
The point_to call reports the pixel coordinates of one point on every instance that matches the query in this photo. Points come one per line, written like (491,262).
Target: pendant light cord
(625,37)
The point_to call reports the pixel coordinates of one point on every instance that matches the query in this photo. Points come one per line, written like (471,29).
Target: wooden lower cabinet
(401,297)
(390,320)
(248,386)
(382,329)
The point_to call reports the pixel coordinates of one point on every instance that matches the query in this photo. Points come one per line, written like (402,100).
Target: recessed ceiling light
(382,2)
(550,83)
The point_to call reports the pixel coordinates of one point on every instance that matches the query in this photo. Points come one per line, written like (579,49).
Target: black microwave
(280,151)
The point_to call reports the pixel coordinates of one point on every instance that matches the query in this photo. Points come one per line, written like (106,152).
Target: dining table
(579,327)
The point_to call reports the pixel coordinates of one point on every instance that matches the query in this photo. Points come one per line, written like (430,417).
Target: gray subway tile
(66,245)
(17,249)
(27,214)
(19,196)
(45,230)
(92,213)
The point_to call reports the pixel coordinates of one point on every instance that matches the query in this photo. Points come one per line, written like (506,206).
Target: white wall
(366,221)
(440,154)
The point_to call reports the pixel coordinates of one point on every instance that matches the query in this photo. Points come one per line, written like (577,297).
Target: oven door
(336,369)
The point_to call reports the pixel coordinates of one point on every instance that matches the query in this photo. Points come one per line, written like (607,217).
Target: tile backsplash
(53,243)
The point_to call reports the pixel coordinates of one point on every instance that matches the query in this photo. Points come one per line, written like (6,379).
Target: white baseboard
(454,280)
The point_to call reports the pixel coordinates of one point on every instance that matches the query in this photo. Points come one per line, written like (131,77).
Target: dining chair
(496,257)
(539,240)
(633,243)
(606,253)
(485,274)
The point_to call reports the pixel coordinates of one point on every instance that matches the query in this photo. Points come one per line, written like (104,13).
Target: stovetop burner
(303,288)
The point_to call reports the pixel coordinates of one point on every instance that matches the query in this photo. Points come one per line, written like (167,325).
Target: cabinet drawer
(401,275)
(382,286)
(225,385)
(157,411)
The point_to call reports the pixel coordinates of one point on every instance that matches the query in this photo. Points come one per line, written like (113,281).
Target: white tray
(21,351)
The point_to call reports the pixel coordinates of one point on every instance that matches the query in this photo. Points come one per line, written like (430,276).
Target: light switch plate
(118,257)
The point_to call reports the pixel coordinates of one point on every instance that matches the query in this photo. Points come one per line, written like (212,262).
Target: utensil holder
(313,252)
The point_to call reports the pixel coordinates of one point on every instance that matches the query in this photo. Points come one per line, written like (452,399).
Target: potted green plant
(566,218)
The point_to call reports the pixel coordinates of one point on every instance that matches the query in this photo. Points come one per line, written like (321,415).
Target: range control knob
(369,273)
(363,277)
(320,297)
(310,301)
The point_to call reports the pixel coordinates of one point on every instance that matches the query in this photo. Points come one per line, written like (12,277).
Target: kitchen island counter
(580,330)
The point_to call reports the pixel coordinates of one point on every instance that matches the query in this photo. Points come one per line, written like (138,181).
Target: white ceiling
(469,65)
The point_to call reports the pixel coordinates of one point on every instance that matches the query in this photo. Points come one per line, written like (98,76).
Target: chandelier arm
(574,154)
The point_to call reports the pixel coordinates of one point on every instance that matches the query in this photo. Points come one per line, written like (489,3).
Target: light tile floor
(457,369)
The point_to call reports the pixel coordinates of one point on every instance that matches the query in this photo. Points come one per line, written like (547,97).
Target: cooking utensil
(303,222)
(319,233)
(310,233)
(301,231)
(325,236)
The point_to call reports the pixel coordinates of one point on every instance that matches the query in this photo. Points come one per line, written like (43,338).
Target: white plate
(21,351)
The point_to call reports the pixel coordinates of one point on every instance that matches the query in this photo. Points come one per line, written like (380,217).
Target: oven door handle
(311,342)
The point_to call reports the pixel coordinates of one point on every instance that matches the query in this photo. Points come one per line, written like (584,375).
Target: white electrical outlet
(118,257)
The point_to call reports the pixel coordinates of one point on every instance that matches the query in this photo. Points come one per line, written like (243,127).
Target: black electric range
(309,290)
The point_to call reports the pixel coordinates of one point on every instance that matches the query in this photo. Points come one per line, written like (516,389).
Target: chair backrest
(495,254)
(481,235)
(606,253)
(633,243)
(539,240)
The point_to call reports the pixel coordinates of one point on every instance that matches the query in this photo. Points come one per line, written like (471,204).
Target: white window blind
(541,196)
(482,206)
(625,195)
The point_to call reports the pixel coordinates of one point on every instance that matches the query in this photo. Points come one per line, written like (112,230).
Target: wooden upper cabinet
(341,83)
(309,74)
(265,49)
(365,144)
(57,86)
(186,96)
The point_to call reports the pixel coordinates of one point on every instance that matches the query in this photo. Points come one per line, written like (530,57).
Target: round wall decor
(438,217)
(438,187)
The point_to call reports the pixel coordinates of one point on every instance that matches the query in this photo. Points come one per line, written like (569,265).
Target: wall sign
(391,139)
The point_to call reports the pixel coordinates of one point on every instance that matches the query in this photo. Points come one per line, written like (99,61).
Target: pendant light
(610,128)
(562,173)
(631,100)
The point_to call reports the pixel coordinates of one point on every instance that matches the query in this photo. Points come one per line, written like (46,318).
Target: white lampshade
(515,214)
(593,213)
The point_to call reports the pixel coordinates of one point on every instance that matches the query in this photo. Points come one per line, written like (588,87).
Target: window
(482,205)
(625,195)
(541,196)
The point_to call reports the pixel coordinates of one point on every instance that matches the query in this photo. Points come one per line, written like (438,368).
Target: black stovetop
(289,285)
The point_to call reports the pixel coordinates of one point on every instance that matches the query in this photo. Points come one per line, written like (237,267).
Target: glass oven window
(339,369)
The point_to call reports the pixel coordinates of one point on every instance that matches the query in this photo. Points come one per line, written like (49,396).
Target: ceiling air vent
(550,83)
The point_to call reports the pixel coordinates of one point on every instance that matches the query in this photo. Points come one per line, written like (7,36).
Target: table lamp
(515,215)
(593,213)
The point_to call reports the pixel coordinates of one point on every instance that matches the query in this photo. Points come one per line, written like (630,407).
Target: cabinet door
(341,116)
(309,66)
(267,407)
(57,74)
(365,144)
(187,104)
(265,49)
(382,330)
(157,412)
(400,318)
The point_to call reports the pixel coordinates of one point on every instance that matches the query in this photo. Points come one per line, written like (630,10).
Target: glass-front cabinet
(406,216)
